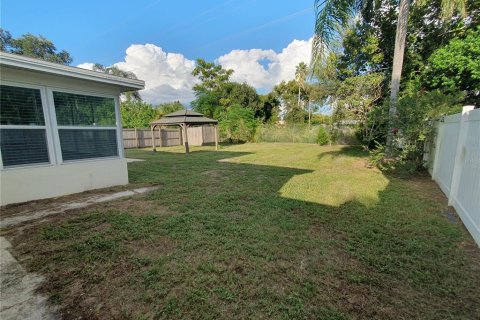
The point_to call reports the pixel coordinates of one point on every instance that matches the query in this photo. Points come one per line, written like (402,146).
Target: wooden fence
(142,138)
(454,163)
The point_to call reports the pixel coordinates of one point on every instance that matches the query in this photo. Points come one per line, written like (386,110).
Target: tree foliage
(33,46)
(219,98)
(169,107)
(237,124)
(456,67)
(211,75)
(136,113)
(116,71)
(289,93)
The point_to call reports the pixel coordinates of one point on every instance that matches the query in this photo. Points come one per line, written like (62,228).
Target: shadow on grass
(219,240)
(346,151)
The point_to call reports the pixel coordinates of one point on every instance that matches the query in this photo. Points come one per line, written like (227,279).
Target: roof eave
(18,61)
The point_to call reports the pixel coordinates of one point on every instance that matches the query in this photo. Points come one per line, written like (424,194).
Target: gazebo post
(154,149)
(216,136)
(182,119)
(185,133)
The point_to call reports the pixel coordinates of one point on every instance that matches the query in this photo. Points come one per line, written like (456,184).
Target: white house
(60,129)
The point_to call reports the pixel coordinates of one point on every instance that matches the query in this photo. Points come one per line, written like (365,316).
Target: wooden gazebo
(183,119)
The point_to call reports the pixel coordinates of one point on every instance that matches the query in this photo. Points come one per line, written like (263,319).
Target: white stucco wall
(20,184)
(33,183)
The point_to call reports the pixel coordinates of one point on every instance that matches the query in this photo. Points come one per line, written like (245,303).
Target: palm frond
(331,18)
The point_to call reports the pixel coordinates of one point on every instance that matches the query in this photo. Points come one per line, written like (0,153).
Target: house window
(23,138)
(86,126)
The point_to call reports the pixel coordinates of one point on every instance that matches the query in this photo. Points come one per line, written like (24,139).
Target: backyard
(277,231)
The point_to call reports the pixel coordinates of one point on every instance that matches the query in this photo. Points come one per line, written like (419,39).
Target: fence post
(216,136)
(154,149)
(438,144)
(459,155)
(136,138)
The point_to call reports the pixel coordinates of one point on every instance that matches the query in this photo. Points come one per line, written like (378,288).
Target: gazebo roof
(183,117)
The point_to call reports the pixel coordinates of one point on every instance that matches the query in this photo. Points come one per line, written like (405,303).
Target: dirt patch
(213,173)
(44,204)
(425,186)
(360,164)
(137,206)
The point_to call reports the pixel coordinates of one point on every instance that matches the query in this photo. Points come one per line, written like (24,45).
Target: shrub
(237,124)
(416,114)
(323,136)
(414,125)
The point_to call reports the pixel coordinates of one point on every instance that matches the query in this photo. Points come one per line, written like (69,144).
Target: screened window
(84,144)
(81,110)
(23,139)
(86,126)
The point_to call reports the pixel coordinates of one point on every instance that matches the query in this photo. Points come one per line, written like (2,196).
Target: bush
(237,124)
(414,125)
(416,114)
(323,136)
(398,163)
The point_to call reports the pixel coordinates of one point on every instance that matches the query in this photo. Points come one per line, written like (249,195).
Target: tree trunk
(400,38)
(298,96)
(309,115)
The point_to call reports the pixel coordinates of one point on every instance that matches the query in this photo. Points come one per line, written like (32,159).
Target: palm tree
(333,17)
(301,72)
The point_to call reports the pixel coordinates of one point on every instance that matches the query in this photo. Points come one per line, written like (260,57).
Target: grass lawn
(259,231)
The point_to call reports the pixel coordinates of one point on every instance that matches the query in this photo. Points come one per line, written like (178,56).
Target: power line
(262,26)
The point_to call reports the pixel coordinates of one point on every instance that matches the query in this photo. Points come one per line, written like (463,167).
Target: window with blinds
(23,139)
(86,126)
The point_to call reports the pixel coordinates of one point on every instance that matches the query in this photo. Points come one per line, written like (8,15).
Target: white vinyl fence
(454,160)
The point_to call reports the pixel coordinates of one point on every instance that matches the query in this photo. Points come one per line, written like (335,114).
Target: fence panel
(170,137)
(195,137)
(142,138)
(447,139)
(208,134)
(456,165)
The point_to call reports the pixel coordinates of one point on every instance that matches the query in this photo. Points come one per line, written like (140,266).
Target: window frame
(47,127)
(51,127)
(56,127)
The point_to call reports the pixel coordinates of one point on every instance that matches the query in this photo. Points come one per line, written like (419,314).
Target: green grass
(259,231)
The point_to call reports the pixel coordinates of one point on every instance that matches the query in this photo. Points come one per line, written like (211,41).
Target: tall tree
(287,92)
(33,46)
(211,75)
(400,37)
(301,72)
(334,16)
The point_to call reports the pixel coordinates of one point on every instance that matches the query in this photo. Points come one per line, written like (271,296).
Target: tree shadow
(345,151)
(222,239)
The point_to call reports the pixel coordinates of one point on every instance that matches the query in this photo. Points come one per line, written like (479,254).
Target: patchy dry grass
(272,231)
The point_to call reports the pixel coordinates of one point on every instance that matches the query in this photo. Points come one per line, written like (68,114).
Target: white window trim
(56,127)
(87,128)
(47,126)
(51,127)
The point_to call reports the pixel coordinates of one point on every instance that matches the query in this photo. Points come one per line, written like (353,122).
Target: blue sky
(102,30)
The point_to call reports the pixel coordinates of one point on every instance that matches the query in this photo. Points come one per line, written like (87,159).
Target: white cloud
(263,69)
(168,76)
